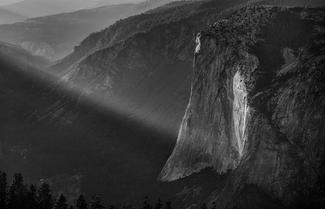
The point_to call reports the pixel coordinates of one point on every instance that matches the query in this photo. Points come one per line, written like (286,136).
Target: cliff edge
(257,108)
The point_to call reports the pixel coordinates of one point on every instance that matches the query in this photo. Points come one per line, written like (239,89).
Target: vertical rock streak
(240,109)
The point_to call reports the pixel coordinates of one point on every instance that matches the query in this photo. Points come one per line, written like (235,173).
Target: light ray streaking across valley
(48,122)
(76,90)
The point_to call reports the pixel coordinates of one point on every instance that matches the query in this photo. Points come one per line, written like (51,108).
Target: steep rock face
(213,128)
(257,108)
(212,133)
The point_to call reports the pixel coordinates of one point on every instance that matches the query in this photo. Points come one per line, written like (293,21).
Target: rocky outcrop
(40,49)
(255,113)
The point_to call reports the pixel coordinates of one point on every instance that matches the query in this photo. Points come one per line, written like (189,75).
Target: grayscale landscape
(191,104)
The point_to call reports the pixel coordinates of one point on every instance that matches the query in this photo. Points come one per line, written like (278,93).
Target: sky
(5,2)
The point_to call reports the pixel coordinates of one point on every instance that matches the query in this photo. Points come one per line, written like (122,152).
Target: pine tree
(168,205)
(32,197)
(81,202)
(159,204)
(146,204)
(96,203)
(3,190)
(44,197)
(12,198)
(61,202)
(17,195)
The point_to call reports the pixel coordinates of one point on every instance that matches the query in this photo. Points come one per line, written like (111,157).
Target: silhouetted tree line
(18,195)
(214,206)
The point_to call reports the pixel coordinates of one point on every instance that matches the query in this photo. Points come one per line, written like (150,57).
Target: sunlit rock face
(213,131)
(257,110)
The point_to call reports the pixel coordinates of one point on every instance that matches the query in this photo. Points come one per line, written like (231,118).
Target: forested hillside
(54,36)
(17,195)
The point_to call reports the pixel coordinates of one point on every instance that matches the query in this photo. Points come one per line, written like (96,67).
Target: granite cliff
(256,109)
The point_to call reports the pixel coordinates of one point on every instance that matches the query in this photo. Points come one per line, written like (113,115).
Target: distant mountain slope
(145,75)
(55,36)
(7,17)
(20,56)
(37,8)
(125,28)
(101,3)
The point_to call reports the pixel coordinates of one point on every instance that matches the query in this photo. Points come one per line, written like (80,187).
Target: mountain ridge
(8,17)
(43,35)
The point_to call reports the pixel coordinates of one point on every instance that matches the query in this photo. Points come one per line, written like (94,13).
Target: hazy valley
(193,101)
(43,36)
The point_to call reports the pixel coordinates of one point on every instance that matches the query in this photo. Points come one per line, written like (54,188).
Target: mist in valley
(133,99)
